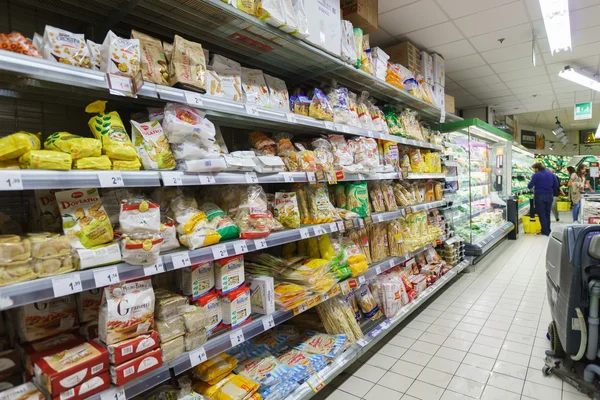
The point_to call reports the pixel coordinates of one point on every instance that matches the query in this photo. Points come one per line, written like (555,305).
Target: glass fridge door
(521,172)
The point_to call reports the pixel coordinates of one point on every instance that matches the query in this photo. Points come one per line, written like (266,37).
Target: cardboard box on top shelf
(439,70)
(438,95)
(449,104)
(362,13)
(404,53)
(426,67)
(324,24)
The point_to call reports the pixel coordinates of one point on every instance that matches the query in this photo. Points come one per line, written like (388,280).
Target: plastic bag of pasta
(389,198)
(252,215)
(364,115)
(323,155)
(378,241)
(320,108)
(152,146)
(45,159)
(100,163)
(366,302)
(319,207)
(338,98)
(376,196)
(14,146)
(286,209)
(109,129)
(220,221)
(284,144)
(192,225)
(184,123)
(392,120)
(342,153)
(77,146)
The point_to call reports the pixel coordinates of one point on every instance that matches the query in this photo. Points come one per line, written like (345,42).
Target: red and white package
(121,374)
(36,350)
(86,389)
(59,372)
(419,282)
(126,350)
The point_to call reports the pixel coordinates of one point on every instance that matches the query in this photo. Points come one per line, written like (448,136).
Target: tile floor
(483,338)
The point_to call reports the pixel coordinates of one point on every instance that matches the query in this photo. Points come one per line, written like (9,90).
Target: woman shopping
(544,184)
(577,185)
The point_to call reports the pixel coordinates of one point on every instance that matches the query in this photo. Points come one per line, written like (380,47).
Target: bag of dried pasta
(253,217)
(338,317)
(285,209)
(376,196)
(357,261)
(391,118)
(366,302)
(320,108)
(306,159)
(77,146)
(395,238)
(109,129)
(340,195)
(390,154)
(319,207)
(438,191)
(152,146)
(357,199)
(389,199)
(378,242)
(323,155)
(361,238)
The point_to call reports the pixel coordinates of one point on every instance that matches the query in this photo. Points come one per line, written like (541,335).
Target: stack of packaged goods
(140,231)
(235,295)
(169,323)
(128,334)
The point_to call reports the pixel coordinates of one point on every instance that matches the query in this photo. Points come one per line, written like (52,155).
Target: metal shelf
(487,242)
(425,176)
(371,338)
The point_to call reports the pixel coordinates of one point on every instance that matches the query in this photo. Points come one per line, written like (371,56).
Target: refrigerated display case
(477,212)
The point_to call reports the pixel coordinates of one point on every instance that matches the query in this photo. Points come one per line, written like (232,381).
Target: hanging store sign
(528,139)
(583,111)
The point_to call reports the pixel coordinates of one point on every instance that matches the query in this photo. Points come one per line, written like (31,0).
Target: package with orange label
(45,318)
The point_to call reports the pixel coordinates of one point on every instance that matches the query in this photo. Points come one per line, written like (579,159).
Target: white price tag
(287,177)
(197,356)
(116,394)
(106,276)
(181,259)
(340,225)
(311,177)
(291,118)
(193,98)
(318,231)
(268,322)
(304,234)
(370,133)
(342,128)
(110,179)
(315,382)
(361,222)
(219,251)
(236,337)
(361,280)
(172,178)
(329,125)
(361,177)
(324,297)
(302,307)
(206,179)
(377,270)
(11,181)
(251,110)
(66,285)
(333,227)
(392,263)
(119,83)
(260,244)
(376,218)
(251,177)
(240,247)
(362,342)
(154,269)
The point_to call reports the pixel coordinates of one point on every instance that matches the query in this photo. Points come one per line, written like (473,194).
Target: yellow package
(77,146)
(133,165)
(326,248)
(100,162)
(45,159)
(313,247)
(288,249)
(215,367)
(109,129)
(10,164)
(233,387)
(15,145)
(246,6)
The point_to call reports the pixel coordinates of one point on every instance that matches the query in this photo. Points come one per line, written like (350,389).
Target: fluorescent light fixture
(557,23)
(551,147)
(558,131)
(570,74)
(597,135)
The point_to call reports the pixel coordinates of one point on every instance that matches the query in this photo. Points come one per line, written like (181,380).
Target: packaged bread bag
(14,146)
(187,66)
(109,129)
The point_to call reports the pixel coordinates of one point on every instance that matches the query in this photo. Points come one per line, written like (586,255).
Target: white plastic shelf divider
(425,176)
(371,338)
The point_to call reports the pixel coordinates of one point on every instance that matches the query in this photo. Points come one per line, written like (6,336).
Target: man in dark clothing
(544,185)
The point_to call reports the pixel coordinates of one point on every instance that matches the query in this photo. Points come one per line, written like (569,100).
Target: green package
(357,199)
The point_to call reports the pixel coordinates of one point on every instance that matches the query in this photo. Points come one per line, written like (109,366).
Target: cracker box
(36,350)
(88,304)
(262,294)
(66,369)
(88,388)
(121,374)
(46,318)
(126,350)
(236,307)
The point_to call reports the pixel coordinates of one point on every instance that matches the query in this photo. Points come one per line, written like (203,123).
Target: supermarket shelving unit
(232,33)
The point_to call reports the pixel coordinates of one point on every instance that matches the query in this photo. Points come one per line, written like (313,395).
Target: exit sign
(583,110)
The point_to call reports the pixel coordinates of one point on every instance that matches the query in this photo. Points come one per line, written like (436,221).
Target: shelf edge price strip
(106,276)
(197,356)
(116,394)
(154,269)
(236,337)
(66,285)
(181,259)
(11,180)
(268,322)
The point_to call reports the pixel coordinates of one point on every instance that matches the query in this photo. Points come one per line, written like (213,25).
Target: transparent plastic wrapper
(139,215)
(348,49)
(367,303)
(15,145)
(141,248)
(320,210)
(378,241)
(217,367)
(253,217)
(254,87)
(320,343)
(152,146)
(124,165)
(358,42)
(417,164)
(339,100)
(396,239)
(46,159)
(16,271)
(361,238)
(300,104)
(357,262)
(192,225)
(283,140)
(339,195)
(357,199)
(262,141)
(391,154)
(306,159)
(279,97)
(338,318)
(322,151)
(77,146)
(194,339)
(365,153)
(286,210)
(184,123)
(392,120)
(96,163)
(376,196)
(153,61)
(172,349)
(169,233)
(65,47)
(364,115)
(187,65)
(168,304)
(320,108)
(95,54)
(189,151)
(353,108)
(109,129)
(264,368)
(230,387)
(220,221)
(169,329)
(194,318)
(342,152)
(389,197)
(120,56)
(300,12)
(378,119)
(411,126)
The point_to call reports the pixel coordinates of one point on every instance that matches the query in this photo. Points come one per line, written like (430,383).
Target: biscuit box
(88,388)
(126,350)
(36,350)
(121,374)
(26,391)
(43,319)
(66,369)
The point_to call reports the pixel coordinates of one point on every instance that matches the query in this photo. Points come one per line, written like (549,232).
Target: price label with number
(251,177)
(340,226)
(193,98)
(311,177)
(268,322)
(377,270)
(206,179)
(349,224)
(240,247)
(11,181)
(370,133)
(110,179)
(318,231)
(361,280)
(121,84)
(304,234)
(116,394)
(287,177)
(219,251)
(106,276)
(251,110)
(181,259)
(392,263)
(291,118)
(260,244)
(172,178)
(65,285)
(333,227)
(315,382)
(154,269)
(329,125)
(362,342)
(236,337)
(197,356)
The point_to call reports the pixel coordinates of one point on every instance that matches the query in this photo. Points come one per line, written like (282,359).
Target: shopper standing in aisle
(576,187)
(557,192)
(543,183)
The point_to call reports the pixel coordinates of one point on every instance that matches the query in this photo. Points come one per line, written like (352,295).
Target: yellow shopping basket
(563,205)
(531,225)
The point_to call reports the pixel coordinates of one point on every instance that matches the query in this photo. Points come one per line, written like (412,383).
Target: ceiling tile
(381,38)
(513,65)
(477,72)
(387,5)
(492,20)
(456,9)
(508,53)
(523,73)
(412,17)
(473,83)
(533,89)
(514,35)
(494,94)
(585,17)
(472,101)
(462,63)
(521,83)
(452,50)
(451,85)
(535,12)
(586,50)
(487,88)
(577,4)
(435,35)
(583,95)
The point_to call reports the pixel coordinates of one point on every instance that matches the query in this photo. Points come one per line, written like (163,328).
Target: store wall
(559,148)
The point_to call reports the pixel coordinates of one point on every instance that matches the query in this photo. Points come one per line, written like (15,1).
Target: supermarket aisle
(483,338)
